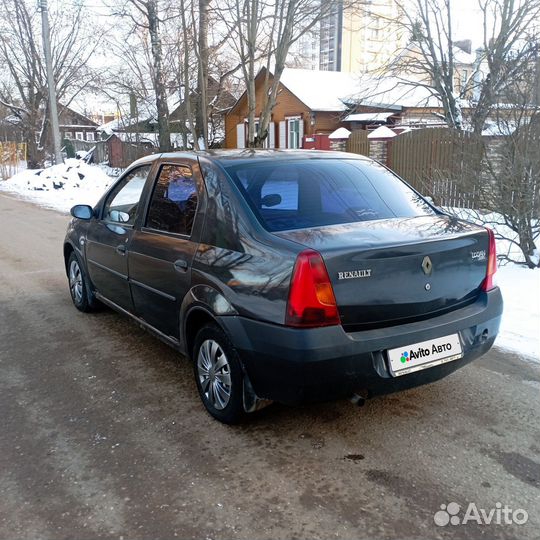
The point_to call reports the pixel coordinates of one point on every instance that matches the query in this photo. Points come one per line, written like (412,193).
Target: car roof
(226,157)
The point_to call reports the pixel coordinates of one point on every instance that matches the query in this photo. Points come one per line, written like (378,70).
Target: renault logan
(287,276)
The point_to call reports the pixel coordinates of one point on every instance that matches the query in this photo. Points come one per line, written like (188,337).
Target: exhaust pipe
(359,399)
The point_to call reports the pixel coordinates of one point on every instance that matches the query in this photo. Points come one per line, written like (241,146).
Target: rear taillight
(311,297)
(488,282)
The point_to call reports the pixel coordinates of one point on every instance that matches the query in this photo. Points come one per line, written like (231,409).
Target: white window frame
(79,135)
(296,141)
(90,136)
(68,135)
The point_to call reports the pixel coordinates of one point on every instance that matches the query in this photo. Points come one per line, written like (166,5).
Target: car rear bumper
(292,365)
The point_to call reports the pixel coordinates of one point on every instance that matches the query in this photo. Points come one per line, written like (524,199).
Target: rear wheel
(219,375)
(78,285)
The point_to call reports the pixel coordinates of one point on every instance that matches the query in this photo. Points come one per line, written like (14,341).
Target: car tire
(219,375)
(79,288)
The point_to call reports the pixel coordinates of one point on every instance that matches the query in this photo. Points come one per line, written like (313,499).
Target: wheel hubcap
(214,374)
(75,281)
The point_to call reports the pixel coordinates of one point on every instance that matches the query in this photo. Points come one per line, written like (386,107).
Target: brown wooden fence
(113,151)
(358,143)
(12,155)
(440,162)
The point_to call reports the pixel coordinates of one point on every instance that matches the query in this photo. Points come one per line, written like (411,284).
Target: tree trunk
(164,134)
(281,52)
(185,74)
(527,244)
(201,113)
(34,156)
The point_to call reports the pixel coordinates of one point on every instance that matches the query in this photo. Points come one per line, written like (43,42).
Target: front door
(161,252)
(108,240)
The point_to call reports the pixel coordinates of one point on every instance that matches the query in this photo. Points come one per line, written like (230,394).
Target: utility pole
(537,75)
(53,108)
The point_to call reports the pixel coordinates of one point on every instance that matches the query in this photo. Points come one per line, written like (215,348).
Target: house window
(464,77)
(293,130)
(68,135)
(266,142)
(90,136)
(79,135)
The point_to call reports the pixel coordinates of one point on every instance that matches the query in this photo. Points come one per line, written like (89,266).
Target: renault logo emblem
(427,265)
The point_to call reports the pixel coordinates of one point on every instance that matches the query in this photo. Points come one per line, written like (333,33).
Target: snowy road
(102,433)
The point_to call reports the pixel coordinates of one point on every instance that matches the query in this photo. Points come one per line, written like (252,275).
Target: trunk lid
(400,270)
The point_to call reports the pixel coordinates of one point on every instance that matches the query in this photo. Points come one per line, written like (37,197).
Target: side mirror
(82,211)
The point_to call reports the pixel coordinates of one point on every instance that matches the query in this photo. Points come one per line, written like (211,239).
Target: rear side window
(317,192)
(174,200)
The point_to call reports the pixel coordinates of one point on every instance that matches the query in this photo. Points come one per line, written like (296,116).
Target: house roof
(393,92)
(335,91)
(116,124)
(321,90)
(69,117)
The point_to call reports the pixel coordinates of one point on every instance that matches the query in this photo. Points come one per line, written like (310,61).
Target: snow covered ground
(74,182)
(520,327)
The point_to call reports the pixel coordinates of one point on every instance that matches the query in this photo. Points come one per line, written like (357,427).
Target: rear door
(162,250)
(109,237)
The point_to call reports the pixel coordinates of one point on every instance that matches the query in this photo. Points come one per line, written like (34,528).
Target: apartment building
(362,38)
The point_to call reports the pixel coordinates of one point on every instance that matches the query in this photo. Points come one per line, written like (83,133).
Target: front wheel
(219,375)
(78,285)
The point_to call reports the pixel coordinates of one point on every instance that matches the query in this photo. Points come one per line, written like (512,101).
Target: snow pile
(62,186)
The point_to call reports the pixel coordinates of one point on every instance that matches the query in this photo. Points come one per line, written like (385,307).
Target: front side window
(174,200)
(122,203)
(312,193)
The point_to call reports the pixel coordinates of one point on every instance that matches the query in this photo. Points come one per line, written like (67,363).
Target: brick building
(310,104)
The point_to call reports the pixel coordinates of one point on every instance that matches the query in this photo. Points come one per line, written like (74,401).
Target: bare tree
(149,15)
(192,55)
(429,60)
(432,55)
(24,90)
(512,185)
(262,33)
(510,32)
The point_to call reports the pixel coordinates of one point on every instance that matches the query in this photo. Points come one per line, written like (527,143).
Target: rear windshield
(312,193)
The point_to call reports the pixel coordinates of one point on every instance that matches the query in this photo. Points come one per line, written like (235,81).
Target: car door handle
(180,265)
(121,249)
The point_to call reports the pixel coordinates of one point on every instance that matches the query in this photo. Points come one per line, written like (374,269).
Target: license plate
(424,355)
